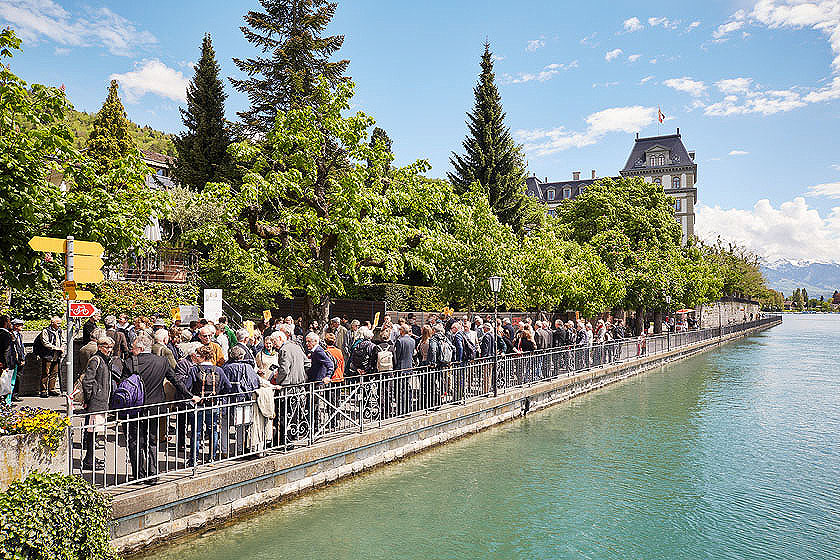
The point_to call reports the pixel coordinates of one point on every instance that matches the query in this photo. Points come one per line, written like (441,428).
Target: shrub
(54,517)
(37,301)
(141,298)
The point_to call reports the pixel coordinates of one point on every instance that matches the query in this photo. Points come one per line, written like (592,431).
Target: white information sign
(212,305)
(189,313)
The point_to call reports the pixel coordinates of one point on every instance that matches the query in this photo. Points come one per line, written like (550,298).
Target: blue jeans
(207,419)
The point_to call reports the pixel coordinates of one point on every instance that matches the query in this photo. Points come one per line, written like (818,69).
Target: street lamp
(668,323)
(495,287)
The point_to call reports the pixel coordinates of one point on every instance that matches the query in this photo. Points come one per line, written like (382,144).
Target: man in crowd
(88,327)
(205,337)
(342,336)
(404,347)
(243,340)
(52,349)
(117,335)
(16,358)
(96,393)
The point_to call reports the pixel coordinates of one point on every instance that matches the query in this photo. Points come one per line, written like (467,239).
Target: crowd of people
(145,370)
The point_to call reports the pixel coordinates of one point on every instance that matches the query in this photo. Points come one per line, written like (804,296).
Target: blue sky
(753,86)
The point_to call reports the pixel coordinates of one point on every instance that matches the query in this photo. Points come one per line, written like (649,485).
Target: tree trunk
(640,321)
(657,322)
(315,310)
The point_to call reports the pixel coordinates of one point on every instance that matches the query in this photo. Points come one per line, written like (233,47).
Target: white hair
(161,336)
(314,337)
(242,334)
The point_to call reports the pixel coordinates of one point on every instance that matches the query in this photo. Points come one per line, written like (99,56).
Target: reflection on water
(732,454)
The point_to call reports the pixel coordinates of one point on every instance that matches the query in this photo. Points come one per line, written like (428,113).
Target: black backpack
(360,356)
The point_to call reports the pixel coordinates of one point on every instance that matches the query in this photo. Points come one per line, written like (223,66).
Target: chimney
(637,136)
(575,175)
(593,173)
(546,179)
(678,131)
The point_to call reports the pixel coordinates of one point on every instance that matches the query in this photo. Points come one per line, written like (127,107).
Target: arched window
(675,182)
(657,180)
(567,193)
(550,194)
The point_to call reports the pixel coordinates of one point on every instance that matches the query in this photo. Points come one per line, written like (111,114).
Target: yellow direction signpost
(82,263)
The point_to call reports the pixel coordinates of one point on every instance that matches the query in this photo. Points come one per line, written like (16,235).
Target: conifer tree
(289,33)
(491,156)
(202,149)
(109,138)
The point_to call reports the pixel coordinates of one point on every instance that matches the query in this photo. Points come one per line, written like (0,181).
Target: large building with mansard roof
(663,160)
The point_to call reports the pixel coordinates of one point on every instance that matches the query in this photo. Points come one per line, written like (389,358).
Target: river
(731,454)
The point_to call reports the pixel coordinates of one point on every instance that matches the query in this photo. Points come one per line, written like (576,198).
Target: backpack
(384,360)
(469,347)
(360,355)
(38,346)
(447,351)
(130,392)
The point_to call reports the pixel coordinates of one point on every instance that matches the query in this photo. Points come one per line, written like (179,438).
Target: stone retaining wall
(150,516)
(22,454)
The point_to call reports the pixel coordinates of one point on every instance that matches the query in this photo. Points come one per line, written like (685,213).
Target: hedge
(400,297)
(142,298)
(54,517)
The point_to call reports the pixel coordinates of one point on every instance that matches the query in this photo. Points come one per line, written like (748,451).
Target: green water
(732,454)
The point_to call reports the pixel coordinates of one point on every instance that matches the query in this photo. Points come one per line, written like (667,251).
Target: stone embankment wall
(150,516)
(22,454)
(731,312)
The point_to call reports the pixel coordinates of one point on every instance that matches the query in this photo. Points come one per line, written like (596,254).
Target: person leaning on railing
(209,382)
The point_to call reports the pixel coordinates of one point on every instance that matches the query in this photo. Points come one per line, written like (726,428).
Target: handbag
(6,381)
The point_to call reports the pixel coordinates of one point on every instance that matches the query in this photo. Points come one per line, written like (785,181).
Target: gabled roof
(671,142)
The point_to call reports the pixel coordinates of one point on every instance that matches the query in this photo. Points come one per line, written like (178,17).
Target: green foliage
(142,298)
(738,268)
(48,426)
(400,297)
(146,138)
(28,156)
(491,157)
(54,517)
(37,301)
(202,149)
(109,140)
(290,33)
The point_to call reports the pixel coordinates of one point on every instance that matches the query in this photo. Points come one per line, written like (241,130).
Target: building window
(550,194)
(567,193)
(582,190)
(675,182)
(678,205)
(657,180)
(552,212)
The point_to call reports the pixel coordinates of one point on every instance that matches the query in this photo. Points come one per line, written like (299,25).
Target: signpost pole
(70,324)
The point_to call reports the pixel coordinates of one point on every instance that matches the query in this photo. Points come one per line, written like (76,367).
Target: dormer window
(567,193)
(549,194)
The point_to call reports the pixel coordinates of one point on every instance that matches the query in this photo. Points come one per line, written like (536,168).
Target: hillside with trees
(146,138)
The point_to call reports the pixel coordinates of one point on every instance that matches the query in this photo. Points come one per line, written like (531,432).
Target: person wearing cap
(16,359)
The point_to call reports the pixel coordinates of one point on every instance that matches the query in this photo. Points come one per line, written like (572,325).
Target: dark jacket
(249,355)
(5,349)
(184,373)
(17,353)
(242,376)
(96,384)
(322,365)
(53,344)
(558,337)
(510,330)
(87,330)
(458,341)
(209,380)
(488,344)
(153,370)
(404,352)
(121,348)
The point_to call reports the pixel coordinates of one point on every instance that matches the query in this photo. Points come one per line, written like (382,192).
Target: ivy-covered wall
(400,297)
(142,298)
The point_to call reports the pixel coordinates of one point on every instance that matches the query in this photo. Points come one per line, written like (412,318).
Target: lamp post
(668,322)
(495,287)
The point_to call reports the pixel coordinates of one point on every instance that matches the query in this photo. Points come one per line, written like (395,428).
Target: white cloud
(646,79)
(61,51)
(634,57)
(738,153)
(615,53)
(543,75)
(793,230)
(534,45)
(632,24)
(605,84)
(664,22)
(767,102)
(35,20)
(836,166)
(152,76)
(653,60)
(686,84)
(542,142)
(736,22)
(822,15)
(831,91)
(693,25)
(830,190)
(734,85)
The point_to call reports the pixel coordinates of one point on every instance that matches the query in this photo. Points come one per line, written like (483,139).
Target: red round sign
(82,309)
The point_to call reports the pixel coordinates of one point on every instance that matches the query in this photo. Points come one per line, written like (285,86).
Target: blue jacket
(322,365)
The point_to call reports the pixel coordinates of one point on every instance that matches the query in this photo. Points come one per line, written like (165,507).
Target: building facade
(663,160)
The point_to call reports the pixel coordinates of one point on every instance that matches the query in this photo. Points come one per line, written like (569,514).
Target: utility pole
(68,266)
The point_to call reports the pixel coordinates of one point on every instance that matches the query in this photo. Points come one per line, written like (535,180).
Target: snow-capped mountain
(819,278)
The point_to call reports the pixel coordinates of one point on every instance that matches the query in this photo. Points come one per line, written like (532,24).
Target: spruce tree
(289,33)
(202,149)
(491,156)
(109,138)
